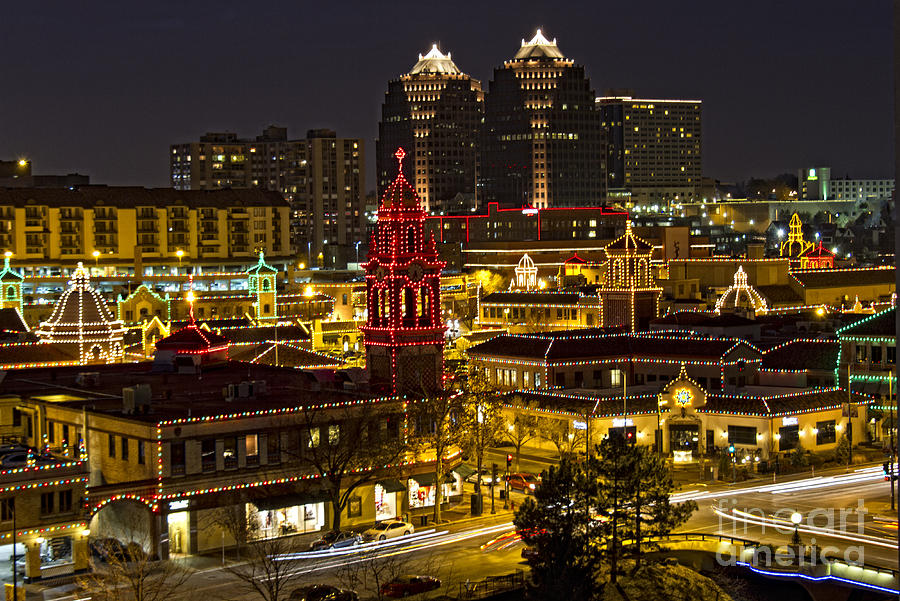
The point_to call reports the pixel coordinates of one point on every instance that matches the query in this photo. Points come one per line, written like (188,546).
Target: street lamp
(180,254)
(357,254)
(96,255)
(796,518)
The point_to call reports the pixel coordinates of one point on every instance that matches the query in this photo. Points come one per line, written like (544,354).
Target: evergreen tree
(557,524)
(842,452)
(591,515)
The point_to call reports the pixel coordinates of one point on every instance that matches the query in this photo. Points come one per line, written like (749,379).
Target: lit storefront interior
(288,514)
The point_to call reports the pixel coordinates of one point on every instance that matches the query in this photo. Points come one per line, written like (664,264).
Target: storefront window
(789,438)
(284,521)
(825,432)
(385,503)
(423,496)
(743,435)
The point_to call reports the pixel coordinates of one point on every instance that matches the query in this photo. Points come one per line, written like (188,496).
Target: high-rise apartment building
(138,229)
(541,142)
(322,176)
(653,149)
(434,112)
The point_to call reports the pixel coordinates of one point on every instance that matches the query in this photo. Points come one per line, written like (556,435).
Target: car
(485,478)
(322,592)
(524,482)
(114,550)
(388,529)
(336,540)
(529,553)
(404,586)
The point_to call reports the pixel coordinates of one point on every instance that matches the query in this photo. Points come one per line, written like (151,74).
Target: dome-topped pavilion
(741,295)
(82,320)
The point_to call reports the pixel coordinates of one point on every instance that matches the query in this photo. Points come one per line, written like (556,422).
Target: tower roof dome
(539,47)
(435,62)
(81,316)
(400,194)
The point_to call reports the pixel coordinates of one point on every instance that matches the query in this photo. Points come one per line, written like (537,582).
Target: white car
(485,478)
(388,529)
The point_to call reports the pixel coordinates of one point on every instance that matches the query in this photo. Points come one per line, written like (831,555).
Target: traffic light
(508,461)
(731,449)
(493,474)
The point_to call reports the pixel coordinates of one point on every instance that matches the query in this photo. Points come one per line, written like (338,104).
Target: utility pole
(15,569)
(893,427)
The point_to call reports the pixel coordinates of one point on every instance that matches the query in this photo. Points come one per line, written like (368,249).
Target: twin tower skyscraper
(534,138)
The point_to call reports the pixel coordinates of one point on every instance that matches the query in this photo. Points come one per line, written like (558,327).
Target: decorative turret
(629,297)
(261,284)
(10,287)
(404,332)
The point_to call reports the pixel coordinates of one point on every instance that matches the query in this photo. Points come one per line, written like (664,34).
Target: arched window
(411,239)
(11,293)
(265,284)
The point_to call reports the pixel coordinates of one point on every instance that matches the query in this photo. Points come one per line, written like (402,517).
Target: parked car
(336,540)
(322,592)
(524,482)
(485,478)
(528,553)
(403,586)
(108,549)
(388,529)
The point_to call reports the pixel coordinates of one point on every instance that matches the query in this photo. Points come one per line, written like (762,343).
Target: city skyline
(173,84)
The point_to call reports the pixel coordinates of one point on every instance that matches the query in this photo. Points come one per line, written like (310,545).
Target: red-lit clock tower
(404,332)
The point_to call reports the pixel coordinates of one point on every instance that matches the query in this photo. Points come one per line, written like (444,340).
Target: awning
(391,485)
(428,479)
(281,501)
(465,470)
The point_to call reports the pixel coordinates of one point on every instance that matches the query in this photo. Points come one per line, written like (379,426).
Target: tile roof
(11,320)
(190,339)
(852,276)
(803,355)
(36,353)
(264,333)
(703,318)
(289,355)
(769,405)
(560,347)
(880,324)
(780,293)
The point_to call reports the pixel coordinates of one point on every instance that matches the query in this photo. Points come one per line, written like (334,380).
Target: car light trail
(865,475)
(786,527)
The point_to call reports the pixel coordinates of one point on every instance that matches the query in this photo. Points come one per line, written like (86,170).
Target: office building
(433,112)
(541,144)
(321,176)
(137,230)
(816,183)
(653,149)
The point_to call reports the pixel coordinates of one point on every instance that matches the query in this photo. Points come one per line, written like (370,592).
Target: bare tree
(125,572)
(520,431)
(483,419)
(438,424)
(270,570)
(559,433)
(241,521)
(350,448)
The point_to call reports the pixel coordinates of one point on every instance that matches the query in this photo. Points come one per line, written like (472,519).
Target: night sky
(103,88)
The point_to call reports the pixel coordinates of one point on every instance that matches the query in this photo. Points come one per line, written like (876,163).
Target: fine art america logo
(757,533)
